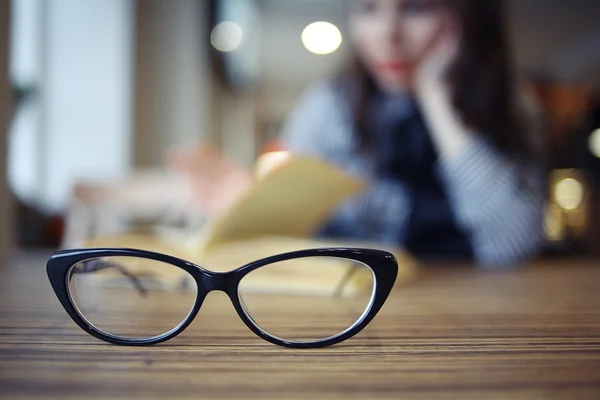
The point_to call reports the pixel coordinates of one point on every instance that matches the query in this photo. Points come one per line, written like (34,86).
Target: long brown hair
(481,80)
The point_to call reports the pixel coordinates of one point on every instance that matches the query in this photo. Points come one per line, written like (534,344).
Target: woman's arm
(498,205)
(500,210)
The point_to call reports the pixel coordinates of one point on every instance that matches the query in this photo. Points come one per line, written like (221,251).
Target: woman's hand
(217,182)
(448,132)
(270,162)
(431,75)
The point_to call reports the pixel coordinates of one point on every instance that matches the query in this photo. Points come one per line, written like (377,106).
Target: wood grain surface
(454,333)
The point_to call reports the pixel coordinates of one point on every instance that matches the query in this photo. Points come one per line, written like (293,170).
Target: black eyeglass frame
(383,265)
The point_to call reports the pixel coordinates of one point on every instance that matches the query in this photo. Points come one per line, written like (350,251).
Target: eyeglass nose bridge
(217,281)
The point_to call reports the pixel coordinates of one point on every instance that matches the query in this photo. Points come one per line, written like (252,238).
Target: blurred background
(99,90)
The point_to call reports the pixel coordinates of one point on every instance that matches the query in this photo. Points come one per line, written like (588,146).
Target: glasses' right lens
(131,297)
(307,299)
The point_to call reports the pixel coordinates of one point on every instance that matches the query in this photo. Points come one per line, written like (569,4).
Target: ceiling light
(321,37)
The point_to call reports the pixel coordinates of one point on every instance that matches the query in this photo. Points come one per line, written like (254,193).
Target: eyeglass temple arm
(339,290)
(98,265)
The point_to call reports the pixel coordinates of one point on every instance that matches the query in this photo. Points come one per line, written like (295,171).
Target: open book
(279,214)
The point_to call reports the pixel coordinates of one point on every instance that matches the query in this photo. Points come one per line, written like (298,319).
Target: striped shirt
(502,218)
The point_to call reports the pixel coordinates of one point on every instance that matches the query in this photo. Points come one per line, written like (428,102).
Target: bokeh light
(226,36)
(594,143)
(568,194)
(321,38)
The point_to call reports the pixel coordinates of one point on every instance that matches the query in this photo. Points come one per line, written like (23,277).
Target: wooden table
(452,333)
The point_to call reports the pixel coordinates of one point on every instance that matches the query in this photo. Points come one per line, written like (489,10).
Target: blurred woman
(429,114)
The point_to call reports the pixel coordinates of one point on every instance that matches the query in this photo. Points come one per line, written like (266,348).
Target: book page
(294,201)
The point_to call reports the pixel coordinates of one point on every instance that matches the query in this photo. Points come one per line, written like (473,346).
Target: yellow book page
(294,200)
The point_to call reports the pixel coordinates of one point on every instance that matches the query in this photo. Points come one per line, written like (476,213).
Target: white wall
(86,94)
(172,82)
(97,117)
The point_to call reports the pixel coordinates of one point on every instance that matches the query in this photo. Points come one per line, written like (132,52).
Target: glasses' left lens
(131,297)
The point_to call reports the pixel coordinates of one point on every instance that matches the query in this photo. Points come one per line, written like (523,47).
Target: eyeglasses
(303,299)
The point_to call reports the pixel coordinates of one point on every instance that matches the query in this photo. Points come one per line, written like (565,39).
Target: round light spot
(594,143)
(321,37)
(226,36)
(568,194)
